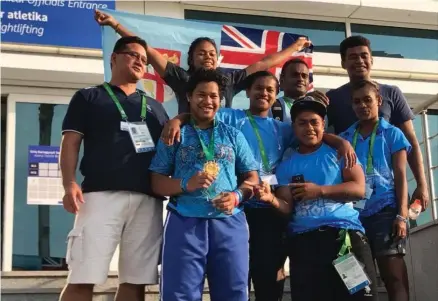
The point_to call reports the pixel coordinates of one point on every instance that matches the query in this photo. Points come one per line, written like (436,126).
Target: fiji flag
(242,46)
(239,47)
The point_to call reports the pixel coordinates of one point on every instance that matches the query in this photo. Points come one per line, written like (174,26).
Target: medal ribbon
(371,146)
(208,151)
(265,161)
(119,106)
(346,242)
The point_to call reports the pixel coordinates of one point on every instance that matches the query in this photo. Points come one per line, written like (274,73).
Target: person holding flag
(268,139)
(202,53)
(330,258)
(384,211)
(205,231)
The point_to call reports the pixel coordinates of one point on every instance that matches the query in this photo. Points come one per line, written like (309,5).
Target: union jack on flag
(242,46)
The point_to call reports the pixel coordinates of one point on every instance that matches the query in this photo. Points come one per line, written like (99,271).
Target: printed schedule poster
(44,182)
(52,22)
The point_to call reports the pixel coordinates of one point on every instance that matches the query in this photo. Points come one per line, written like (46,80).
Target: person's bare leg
(395,276)
(131,292)
(77,292)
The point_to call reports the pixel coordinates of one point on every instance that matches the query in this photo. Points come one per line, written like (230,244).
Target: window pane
(400,42)
(434,150)
(41,126)
(418,127)
(325,35)
(432,120)
(435,180)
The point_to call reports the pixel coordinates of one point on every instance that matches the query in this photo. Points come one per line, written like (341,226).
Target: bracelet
(401,218)
(183,184)
(117,28)
(237,197)
(273,198)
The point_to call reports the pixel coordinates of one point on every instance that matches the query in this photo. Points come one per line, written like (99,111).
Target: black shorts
(379,229)
(267,251)
(312,274)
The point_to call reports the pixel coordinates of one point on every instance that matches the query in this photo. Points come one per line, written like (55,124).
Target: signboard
(44,182)
(52,22)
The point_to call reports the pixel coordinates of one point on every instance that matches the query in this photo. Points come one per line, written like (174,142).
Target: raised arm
(154,57)
(279,57)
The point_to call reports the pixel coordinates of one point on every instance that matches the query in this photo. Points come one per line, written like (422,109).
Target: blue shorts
(193,247)
(379,231)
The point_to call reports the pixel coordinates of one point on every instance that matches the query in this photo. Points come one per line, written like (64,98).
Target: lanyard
(265,161)
(208,151)
(346,242)
(371,146)
(119,106)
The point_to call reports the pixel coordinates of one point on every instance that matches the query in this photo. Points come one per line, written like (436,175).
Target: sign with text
(44,181)
(52,22)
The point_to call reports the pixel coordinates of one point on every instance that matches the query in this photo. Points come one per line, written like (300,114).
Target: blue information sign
(64,23)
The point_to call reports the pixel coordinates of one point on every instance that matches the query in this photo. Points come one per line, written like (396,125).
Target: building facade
(40,75)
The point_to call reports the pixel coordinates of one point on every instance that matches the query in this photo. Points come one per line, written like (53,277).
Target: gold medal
(211,168)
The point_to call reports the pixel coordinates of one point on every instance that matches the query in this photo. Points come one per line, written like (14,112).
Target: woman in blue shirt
(316,192)
(205,230)
(383,149)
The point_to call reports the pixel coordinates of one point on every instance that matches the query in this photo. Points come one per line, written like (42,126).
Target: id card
(124,126)
(141,137)
(351,273)
(271,179)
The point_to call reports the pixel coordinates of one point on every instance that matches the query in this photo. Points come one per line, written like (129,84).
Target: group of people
(246,188)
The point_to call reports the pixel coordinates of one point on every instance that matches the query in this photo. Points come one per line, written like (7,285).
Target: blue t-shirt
(276,136)
(186,158)
(394,108)
(322,168)
(389,140)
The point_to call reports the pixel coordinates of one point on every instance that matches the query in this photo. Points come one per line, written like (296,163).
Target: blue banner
(52,22)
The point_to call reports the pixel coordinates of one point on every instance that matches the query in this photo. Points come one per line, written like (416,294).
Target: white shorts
(108,219)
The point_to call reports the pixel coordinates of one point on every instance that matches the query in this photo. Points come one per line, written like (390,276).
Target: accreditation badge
(141,137)
(352,273)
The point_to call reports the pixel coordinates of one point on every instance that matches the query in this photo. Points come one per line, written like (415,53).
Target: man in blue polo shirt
(119,126)
(383,150)
(357,60)
(315,191)
(205,231)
